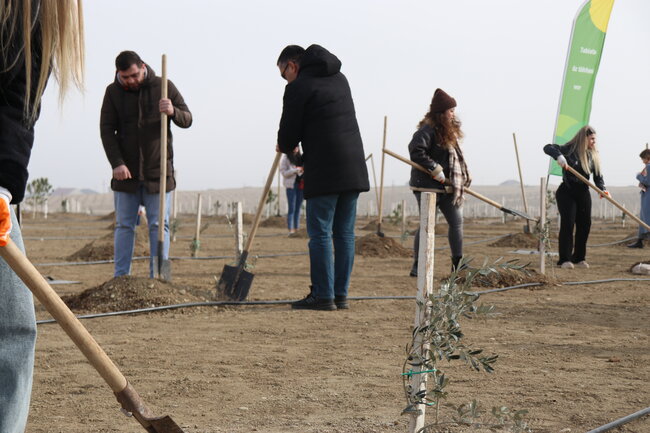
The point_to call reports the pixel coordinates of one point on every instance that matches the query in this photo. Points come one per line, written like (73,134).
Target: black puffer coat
(130,131)
(425,150)
(318,112)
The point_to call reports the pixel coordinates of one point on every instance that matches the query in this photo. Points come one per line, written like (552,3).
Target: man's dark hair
(291,53)
(125,59)
(645,153)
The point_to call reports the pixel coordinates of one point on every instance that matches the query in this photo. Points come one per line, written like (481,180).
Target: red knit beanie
(441,101)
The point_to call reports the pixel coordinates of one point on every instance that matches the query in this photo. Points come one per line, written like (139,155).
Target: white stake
(542,223)
(425,289)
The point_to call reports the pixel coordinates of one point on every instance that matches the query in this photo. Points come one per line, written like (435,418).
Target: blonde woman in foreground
(37,37)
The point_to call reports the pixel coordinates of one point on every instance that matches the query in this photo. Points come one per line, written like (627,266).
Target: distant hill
(510,182)
(72,191)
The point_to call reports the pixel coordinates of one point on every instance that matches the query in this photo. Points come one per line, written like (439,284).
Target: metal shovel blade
(162,269)
(164,425)
(518,213)
(235,282)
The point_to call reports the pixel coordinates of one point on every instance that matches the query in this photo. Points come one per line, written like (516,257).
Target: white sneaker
(582,265)
(567,265)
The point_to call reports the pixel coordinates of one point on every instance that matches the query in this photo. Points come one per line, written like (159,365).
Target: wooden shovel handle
(424,170)
(260,206)
(163,155)
(602,194)
(64,317)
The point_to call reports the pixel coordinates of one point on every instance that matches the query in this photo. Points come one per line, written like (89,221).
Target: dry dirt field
(575,356)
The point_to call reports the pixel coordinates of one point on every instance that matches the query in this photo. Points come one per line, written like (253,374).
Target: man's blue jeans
(126,216)
(330,224)
(294,201)
(17,341)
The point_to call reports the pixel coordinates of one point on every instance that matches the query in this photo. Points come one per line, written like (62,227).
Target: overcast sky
(502,60)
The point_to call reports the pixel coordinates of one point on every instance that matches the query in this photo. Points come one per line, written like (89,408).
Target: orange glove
(607,194)
(5,216)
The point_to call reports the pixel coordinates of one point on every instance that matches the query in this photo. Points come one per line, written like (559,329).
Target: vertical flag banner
(583,59)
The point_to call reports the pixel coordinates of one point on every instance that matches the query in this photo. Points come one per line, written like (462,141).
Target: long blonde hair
(579,145)
(61,48)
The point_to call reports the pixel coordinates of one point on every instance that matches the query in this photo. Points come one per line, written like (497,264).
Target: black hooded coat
(318,113)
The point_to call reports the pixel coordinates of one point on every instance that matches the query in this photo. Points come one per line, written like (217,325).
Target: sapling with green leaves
(441,338)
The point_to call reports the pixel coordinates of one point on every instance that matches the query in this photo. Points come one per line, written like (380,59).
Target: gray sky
(502,60)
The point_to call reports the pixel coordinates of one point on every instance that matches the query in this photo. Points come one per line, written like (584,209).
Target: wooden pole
(423,302)
(279,182)
(239,231)
(374,178)
(521,182)
(196,243)
(381,181)
(403,217)
(542,226)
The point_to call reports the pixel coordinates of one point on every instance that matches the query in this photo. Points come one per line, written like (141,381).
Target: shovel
(235,281)
(162,267)
(126,395)
(467,190)
(602,194)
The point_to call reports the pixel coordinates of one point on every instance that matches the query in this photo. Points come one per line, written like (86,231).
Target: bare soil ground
(575,356)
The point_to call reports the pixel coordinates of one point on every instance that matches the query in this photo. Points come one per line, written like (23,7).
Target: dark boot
(455,260)
(414,270)
(637,244)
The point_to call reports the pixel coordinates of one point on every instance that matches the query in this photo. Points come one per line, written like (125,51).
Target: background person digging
(130,131)
(318,113)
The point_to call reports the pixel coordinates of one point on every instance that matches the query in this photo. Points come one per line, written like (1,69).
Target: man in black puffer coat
(318,113)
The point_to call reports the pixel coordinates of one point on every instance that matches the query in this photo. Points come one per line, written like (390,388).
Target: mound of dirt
(300,234)
(108,217)
(517,240)
(372,245)
(130,293)
(274,221)
(102,248)
(509,277)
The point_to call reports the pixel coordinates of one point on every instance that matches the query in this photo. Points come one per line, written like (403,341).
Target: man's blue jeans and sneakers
(330,226)
(126,214)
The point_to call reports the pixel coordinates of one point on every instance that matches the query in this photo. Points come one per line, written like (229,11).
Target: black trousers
(454,217)
(574,205)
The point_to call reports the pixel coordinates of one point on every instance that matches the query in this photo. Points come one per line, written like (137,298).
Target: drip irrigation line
(58,238)
(102,262)
(476,242)
(621,421)
(289,301)
(606,244)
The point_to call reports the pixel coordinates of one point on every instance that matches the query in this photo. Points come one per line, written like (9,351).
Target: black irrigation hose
(289,301)
(101,262)
(621,421)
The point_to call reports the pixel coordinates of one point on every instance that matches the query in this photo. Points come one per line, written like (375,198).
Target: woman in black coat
(435,146)
(573,198)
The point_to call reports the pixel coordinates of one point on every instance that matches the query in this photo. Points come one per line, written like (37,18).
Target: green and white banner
(583,59)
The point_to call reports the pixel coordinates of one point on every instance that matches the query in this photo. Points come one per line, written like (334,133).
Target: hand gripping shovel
(467,190)
(235,281)
(125,393)
(162,267)
(602,194)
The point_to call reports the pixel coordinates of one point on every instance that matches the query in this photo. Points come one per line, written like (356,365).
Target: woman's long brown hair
(448,132)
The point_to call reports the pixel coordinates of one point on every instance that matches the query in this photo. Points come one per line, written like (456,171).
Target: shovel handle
(163,157)
(602,194)
(64,317)
(260,206)
(467,190)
